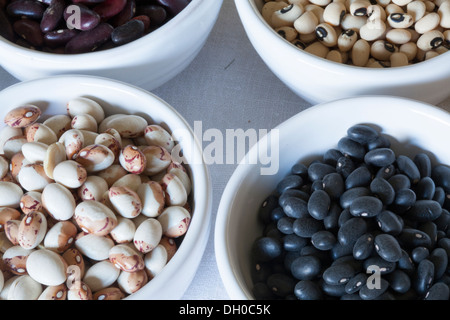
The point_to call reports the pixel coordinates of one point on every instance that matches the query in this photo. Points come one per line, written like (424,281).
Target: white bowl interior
(51,95)
(414,126)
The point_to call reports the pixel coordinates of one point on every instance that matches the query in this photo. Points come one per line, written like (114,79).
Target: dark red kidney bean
(87,19)
(26,8)
(109,8)
(6,29)
(125,15)
(145,20)
(23,43)
(362,133)
(157,14)
(52,15)
(59,38)
(30,31)
(88,41)
(87,2)
(174,6)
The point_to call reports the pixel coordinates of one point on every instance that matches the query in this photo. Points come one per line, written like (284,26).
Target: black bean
(345,166)
(366,206)
(407,166)
(363,246)
(306,226)
(441,176)
(360,177)
(355,283)
(383,190)
(331,220)
(351,230)
(338,274)
(423,277)
(333,290)
(388,247)
(430,229)
(300,169)
(386,172)
(306,267)
(350,297)
(266,249)
(289,182)
(443,221)
(292,242)
(389,222)
(276,214)
(440,260)
(284,224)
(399,281)
(439,196)
(405,198)
(411,238)
(295,207)
(438,291)
(308,290)
(425,210)
(425,189)
(373,291)
(262,292)
(317,171)
(333,184)
(261,271)
(339,250)
(281,284)
(423,163)
(382,141)
(419,253)
(383,266)
(351,148)
(319,204)
(323,240)
(399,181)
(380,157)
(350,195)
(331,156)
(270,203)
(405,263)
(362,133)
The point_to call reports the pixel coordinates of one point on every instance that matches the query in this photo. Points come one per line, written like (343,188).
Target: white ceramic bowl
(146,62)
(319,80)
(307,135)
(51,95)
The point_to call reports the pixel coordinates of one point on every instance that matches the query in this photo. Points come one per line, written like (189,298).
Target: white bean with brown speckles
(148,235)
(101,275)
(58,201)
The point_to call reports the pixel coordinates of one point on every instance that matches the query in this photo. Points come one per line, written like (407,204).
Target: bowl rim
(235,288)
(74,61)
(247,9)
(202,215)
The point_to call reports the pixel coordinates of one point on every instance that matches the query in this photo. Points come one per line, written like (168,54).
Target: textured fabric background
(227,86)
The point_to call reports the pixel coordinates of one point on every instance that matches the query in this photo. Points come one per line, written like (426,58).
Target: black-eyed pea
(360,53)
(94,247)
(307,39)
(125,201)
(11,229)
(175,193)
(376,11)
(101,275)
(350,22)
(393,8)
(59,124)
(95,158)
(398,36)
(110,293)
(158,159)
(32,230)
(130,282)
(358,8)
(299,2)
(346,40)
(410,49)
(34,151)
(287,33)
(24,288)
(112,174)
(73,141)
(83,105)
(334,13)
(326,34)
(125,258)
(175,221)
(431,54)
(335,56)
(148,235)
(270,7)
(400,20)
(124,230)
(398,59)
(286,16)
(95,217)
(401,2)
(7,214)
(39,132)
(10,194)
(416,9)
(60,236)
(46,267)
(444,13)
(54,293)
(58,201)
(430,40)
(383,3)
(321,3)
(22,116)
(73,257)
(446,34)
(15,259)
(428,22)
(13,146)
(382,50)
(373,63)
(317,49)
(306,23)
(79,291)
(373,30)
(155,261)
(131,180)
(152,196)
(155,135)
(317,10)
(132,159)
(84,122)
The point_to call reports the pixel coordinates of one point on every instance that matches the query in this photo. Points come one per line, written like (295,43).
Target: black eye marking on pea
(389,46)
(349,32)
(360,12)
(436,42)
(287,9)
(282,33)
(341,17)
(397,17)
(321,33)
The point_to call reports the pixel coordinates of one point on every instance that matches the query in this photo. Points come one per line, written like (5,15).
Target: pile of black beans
(81,26)
(360,223)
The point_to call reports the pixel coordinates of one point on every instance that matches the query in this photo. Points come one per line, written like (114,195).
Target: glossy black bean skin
(407,166)
(424,276)
(441,176)
(355,283)
(308,290)
(270,203)
(443,221)
(262,292)
(289,182)
(351,230)
(382,141)
(419,253)
(380,157)
(345,166)
(30,31)
(293,193)
(319,204)
(439,259)
(317,171)
(366,206)
(370,293)
(333,184)
(385,267)
(292,242)
(90,40)
(284,224)
(338,274)
(295,207)
(439,196)
(360,177)
(276,214)
(363,246)
(406,263)
(331,156)
(386,172)
(411,238)
(26,8)
(425,189)
(438,291)
(261,271)
(306,226)
(300,169)
(362,133)
(399,182)
(323,240)
(306,267)
(423,163)
(266,249)
(331,220)
(388,247)
(399,281)
(405,198)
(350,195)
(383,190)
(389,222)
(333,290)
(351,148)
(281,284)
(52,16)
(425,210)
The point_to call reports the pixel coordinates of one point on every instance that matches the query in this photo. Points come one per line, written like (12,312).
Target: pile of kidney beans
(360,223)
(80,26)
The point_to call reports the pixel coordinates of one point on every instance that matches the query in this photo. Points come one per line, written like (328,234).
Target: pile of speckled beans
(364,33)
